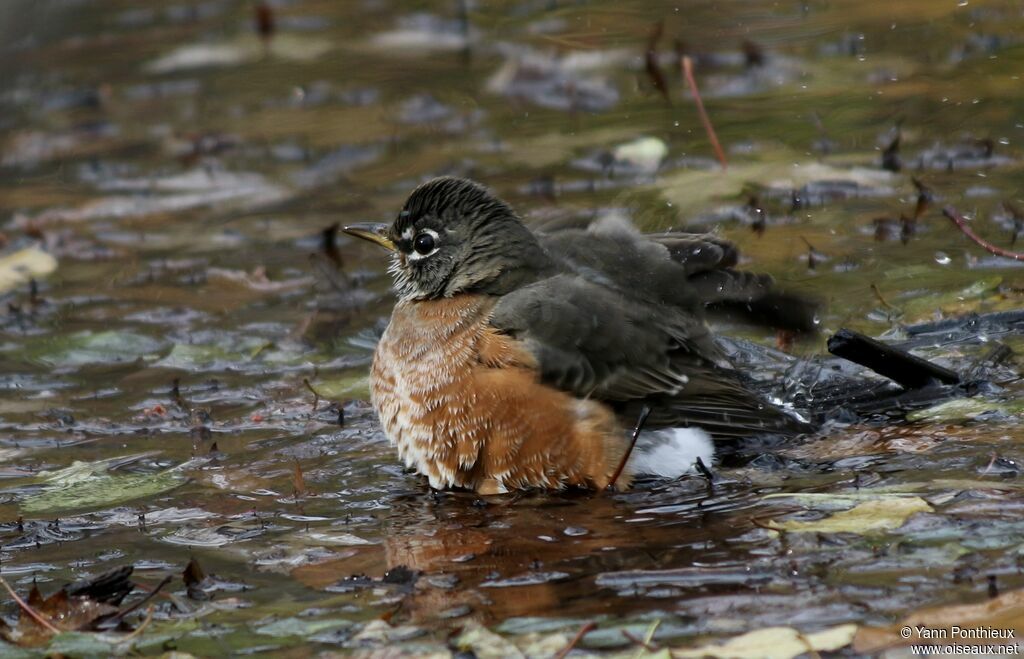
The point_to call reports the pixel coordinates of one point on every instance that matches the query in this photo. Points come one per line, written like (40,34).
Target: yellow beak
(375,233)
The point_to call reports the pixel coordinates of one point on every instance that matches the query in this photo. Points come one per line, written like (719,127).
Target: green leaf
(97,348)
(352,386)
(301,627)
(88,485)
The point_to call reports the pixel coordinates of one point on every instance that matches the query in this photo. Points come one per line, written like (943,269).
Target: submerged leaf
(868,517)
(301,627)
(98,348)
(88,485)
(965,409)
(356,385)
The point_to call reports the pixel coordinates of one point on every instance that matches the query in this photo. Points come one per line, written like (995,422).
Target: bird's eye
(423,244)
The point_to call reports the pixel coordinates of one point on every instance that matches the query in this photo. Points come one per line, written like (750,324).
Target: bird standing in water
(516,359)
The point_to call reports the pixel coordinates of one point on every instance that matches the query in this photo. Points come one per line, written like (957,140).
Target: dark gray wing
(593,341)
(692,271)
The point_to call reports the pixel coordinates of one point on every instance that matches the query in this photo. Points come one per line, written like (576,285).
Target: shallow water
(181,171)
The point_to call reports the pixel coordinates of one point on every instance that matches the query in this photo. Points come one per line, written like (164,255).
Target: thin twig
(644,413)
(138,630)
(316,394)
(28,609)
(687,65)
(644,645)
(584,630)
(961,224)
(121,614)
(878,294)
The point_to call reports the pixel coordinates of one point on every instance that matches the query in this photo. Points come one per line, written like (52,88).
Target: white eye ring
(416,256)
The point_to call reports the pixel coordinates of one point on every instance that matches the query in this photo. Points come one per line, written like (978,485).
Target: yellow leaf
(19,267)
(868,517)
(775,643)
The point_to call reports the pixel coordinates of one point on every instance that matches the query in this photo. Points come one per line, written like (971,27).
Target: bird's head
(453,236)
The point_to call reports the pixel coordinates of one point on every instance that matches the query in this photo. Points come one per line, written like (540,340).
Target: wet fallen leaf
(775,643)
(96,348)
(240,51)
(86,485)
(485,644)
(965,409)
(965,300)
(74,607)
(867,517)
(301,627)
(356,385)
(691,190)
(17,268)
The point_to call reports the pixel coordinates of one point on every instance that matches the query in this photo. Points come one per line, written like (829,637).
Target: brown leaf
(35,598)
(193,575)
(63,612)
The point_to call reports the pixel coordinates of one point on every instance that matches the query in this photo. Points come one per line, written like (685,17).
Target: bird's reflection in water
(541,554)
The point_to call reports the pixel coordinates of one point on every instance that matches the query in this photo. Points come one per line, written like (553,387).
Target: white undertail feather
(670,452)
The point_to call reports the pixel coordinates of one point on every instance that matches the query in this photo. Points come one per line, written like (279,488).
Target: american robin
(518,359)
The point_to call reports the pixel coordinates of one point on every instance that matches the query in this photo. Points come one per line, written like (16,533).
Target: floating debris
(425,32)
(568,83)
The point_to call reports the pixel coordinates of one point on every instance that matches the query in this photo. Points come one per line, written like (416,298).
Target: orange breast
(464,406)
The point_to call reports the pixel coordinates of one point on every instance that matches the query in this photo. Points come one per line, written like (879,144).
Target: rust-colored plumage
(464,405)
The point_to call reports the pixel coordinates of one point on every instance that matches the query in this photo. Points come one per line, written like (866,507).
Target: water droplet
(942,258)
(573,531)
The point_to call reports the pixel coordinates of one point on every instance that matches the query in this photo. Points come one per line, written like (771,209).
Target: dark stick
(644,413)
(651,62)
(907,370)
(153,593)
(704,471)
(961,224)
